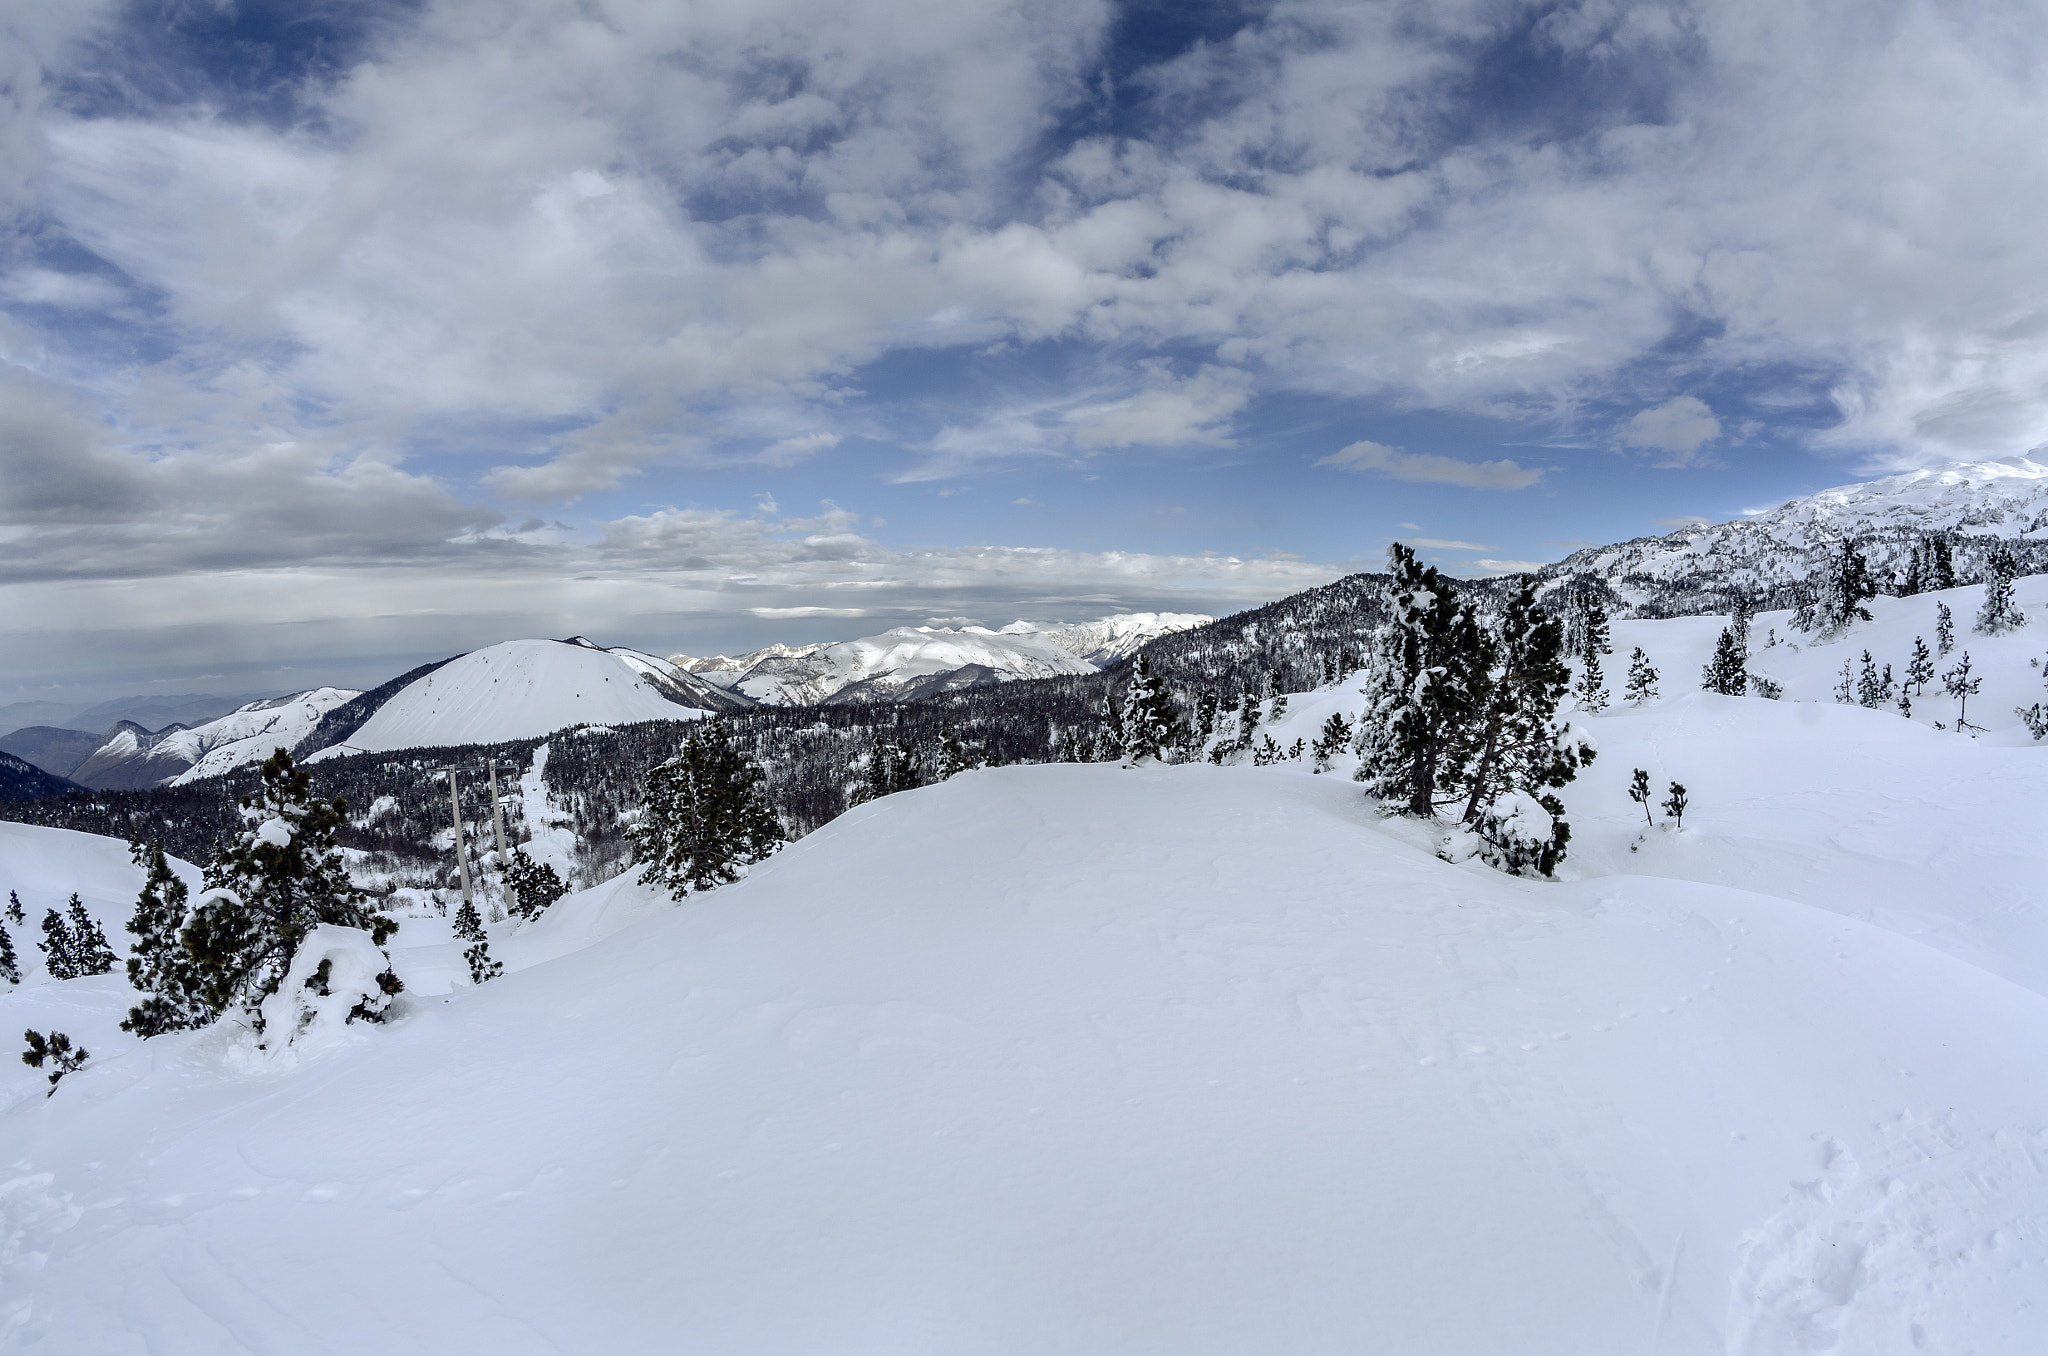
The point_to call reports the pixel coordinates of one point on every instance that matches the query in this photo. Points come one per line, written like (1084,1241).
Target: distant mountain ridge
(910,662)
(1765,557)
(131,758)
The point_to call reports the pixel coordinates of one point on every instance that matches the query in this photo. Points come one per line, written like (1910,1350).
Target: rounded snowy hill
(521,689)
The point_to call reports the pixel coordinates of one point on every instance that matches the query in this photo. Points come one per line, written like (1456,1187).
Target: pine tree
(1941,565)
(953,756)
(1151,721)
(1591,688)
(1958,683)
(469,927)
(59,947)
(156,964)
(1944,630)
(1109,742)
(1920,667)
(1514,742)
(1674,805)
(1871,690)
(534,884)
(1999,614)
(1424,692)
(1839,594)
(281,877)
(1642,678)
(1727,672)
(705,821)
(1845,683)
(1330,742)
(1206,705)
(10,963)
(14,913)
(57,1050)
(91,953)
(1639,792)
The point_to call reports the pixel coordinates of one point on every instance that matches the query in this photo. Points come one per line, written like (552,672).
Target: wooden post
(504,861)
(461,855)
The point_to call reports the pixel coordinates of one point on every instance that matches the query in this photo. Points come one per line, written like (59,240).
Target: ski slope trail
(1085,1059)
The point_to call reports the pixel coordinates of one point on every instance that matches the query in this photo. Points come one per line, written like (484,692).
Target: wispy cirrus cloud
(1432,468)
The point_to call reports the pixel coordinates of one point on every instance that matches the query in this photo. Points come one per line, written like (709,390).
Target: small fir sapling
(1920,668)
(1642,678)
(534,884)
(1335,734)
(1591,688)
(469,927)
(1674,805)
(1268,752)
(1768,688)
(156,967)
(1871,690)
(1958,683)
(91,955)
(1727,673)
(1944,630)
(59,948)
(1845,684)
(10,963)
(1522,834)
(1639,792)
(2000,613)
(55,1049)
(14,913)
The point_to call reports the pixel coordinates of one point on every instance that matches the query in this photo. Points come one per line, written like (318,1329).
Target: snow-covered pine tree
(1206,704)
(534,884)
(1959,683)
(2000,614)
(1330,741)
(10,963)
(1424,693)
(1674,805)
(91,953)
(1871,690)
(156,963)
(704,822)
(1839,593)
(1728,671)
(14,913)
(469,927)
(59,948)
(1109,742)
(1152,727)
(1591,688)
(953,756)
(1514,741)
(55,1049)
(1941,564)
(1944,630)
(1920,667)
(265,892)
(1845,683)
(1642,678)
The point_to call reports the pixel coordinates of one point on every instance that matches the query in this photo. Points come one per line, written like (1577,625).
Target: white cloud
(1681,520)
(1429,467)
(1438,544)
(1680,426)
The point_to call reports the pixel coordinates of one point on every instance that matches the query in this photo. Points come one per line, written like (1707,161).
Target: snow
(520,689)
(1175,1059)
(896,661)
(251,733)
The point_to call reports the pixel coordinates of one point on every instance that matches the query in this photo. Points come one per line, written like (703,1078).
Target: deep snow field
(1084,1059)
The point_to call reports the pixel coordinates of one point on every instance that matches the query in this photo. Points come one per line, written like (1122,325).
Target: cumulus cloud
(1679,427)
(1429,467)
(1677,521)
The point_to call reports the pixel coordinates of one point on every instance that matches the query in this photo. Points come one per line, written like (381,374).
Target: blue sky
(336,336)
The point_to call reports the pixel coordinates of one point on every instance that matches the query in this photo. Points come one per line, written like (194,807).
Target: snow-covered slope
(918,661)
(520,689)
(1995,499)
(910,661)
(130,757)
(1176,1060)
(1109,639)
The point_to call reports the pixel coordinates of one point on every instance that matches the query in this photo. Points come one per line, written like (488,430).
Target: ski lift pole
(461,856)
(504,861)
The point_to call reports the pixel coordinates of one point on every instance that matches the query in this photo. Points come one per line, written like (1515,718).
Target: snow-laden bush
(337,976)
(1521,834)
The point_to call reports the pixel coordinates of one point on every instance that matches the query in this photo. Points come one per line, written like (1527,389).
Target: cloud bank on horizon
(452,284)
